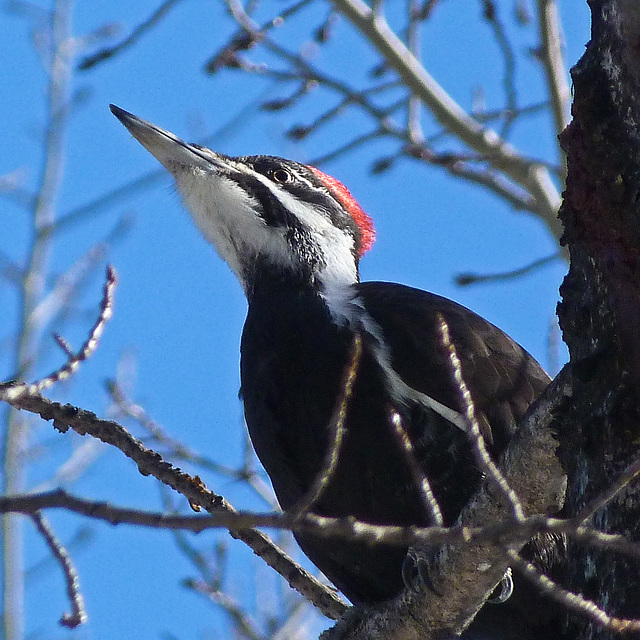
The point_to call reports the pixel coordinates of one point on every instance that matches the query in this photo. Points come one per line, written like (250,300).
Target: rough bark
(600,308)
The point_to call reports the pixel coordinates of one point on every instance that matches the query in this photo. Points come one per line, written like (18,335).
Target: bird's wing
(503,378)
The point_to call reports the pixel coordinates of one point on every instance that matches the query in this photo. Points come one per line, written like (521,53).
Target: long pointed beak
(172,152)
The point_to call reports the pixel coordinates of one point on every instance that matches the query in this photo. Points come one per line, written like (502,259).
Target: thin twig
(130,40)
(529,176)
(572,600)
(180,451)
(64,345)
(486,464)
(491,16)
(149,462)
(78,613)
(534,178)
(601,500)
(301,131)
(336,434)
(419,477)
(57,303)
(244,626)
(91,343)
(414,125)
(348,146)
(465,279)
(551,50)
(58,66)
(460,166)
(328,527)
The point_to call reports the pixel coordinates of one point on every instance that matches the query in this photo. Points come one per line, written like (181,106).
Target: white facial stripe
(225,214)
(336,246)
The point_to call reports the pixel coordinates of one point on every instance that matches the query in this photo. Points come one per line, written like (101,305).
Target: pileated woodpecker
(294,237)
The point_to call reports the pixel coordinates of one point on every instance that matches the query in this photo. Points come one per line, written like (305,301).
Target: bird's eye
(281,176)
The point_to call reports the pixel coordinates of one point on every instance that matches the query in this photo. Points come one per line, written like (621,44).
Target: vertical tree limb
(33,284)
(600,310)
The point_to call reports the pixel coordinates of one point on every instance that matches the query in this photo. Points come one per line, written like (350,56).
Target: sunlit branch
(90,344)
(180,451)
(488,467)
(78,613)
(509,58)
(551,51)
(532,177)
(151,463)
(571,600)
(420,480)
(414,125)
(336,433)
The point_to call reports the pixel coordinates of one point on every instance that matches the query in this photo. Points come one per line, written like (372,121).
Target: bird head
(264,212)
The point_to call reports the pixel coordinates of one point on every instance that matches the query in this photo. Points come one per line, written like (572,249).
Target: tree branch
(532,469)
(78,613)
(530,175)
(83,422)
(551,51)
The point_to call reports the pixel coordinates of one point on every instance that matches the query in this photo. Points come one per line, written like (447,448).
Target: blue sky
(179,310)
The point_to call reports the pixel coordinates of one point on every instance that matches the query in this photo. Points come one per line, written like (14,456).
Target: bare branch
(330,528)
(336,434)
(531,176)
(533,471)
(83,422)
(91,343)
(465,279)
(574,601)
(486,464)
(519,199)
(78,613)
(414,126)
(490,14)
(70,470)
(551,51)
(243,624)
(419,477)
(130,40)
(58,66)
(630,474)
(57,303)
(180,451)
(348,146)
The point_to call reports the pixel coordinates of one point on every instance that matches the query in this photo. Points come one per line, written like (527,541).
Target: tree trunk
(600,308)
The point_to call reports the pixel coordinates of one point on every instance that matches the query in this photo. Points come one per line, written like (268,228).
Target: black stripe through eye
(270,209)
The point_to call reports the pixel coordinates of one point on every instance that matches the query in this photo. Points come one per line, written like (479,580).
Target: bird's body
(294,354)
(294,236)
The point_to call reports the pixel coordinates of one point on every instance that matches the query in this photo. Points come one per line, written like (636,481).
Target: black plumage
(294,237)
(293,357)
